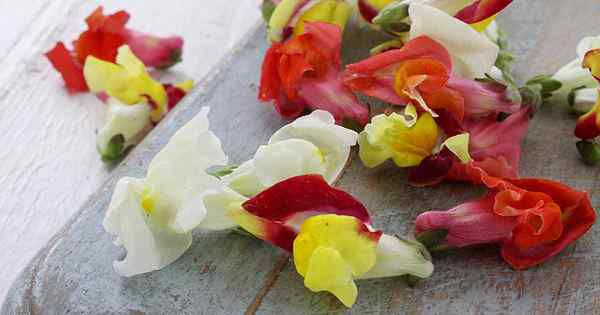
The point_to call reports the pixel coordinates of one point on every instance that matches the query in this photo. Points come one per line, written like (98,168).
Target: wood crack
(270,281)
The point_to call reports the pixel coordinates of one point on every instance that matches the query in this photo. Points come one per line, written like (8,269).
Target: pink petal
(482,99)
(331,95)
(470,223)
(154,51)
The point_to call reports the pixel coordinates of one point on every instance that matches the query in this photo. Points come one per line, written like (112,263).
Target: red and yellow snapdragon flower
(105,34)
(478,13)
(532,219)
(303,73)
(329,234)
(588,125)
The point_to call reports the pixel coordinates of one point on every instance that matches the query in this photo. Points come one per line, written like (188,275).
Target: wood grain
(230,274)
(50,166)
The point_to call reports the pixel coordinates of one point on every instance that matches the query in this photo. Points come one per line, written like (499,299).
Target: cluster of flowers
(579,81)
(455,114)
(110,60)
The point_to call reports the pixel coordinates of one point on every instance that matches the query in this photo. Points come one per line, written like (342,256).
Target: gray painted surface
(225,273)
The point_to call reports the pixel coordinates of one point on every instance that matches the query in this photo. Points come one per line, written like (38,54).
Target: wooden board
(225,273)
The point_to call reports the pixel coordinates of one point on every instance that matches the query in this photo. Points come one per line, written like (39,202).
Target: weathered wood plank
(543,35)
(227,273)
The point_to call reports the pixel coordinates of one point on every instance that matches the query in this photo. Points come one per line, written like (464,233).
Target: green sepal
(221,170)
(267,7)
(391,18)
(115,150)
(548,84)
(432,239)
(531,95)
(590,152)
(390,44)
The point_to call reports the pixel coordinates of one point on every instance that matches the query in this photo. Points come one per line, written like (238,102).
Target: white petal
(320,129)
(573,75)
(584,100)
(473,54)
(131,121)
(207,211)
(396,257)
(243,180)
(287,158)
(177,173)
(148,247)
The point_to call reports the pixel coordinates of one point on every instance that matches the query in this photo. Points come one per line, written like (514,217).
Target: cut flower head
(532,219)
(288,17)
(329,235)
(127,80)
(153,217)
(105,34)
(574,75)
(312,144)
(588,125)
(304,74)
(421,73)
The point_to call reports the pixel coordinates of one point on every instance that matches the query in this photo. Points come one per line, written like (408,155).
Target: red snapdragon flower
(532,219)
(494,146)
(105,34)
(588,125)
(303,73)
(421,73)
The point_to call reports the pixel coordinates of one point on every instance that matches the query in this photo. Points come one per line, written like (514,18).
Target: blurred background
(49,164)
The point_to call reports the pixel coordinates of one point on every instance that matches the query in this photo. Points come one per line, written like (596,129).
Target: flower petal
(177,173)
(208,210)
(482,99)
(396,257)
(319,128)
(330,250)
(130,121)
(155,51)
(71,71)
(149,247)
(481,10)
(472,53)
(276,214)
(470,223)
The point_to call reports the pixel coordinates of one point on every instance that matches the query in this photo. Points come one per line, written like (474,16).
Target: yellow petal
(591,61)
(186,85)
(395,137)
(98,73)
(128,81)
(331,11)
(459,145)
(483,24)
(328,271)
(280,18)
(332,249)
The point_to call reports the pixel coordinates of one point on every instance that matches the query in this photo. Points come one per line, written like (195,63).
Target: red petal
(104,35)
(481,10)
(578,216)
(285,205)
(154,51)
(587,126)
(174,95)
(366,10)
(71,71)
(375,76)
(432,170)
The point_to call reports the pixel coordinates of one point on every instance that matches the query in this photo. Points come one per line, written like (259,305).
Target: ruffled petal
(472,53)
(149,247)
(177,173)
